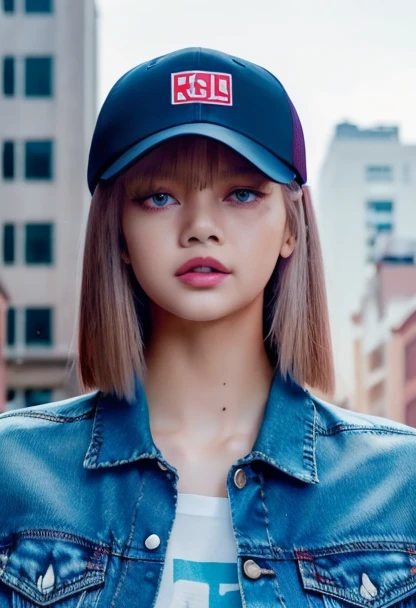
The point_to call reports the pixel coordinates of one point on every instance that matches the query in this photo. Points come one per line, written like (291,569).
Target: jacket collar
(286,440)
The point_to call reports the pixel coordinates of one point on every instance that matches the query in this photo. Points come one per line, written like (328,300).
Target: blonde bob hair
(114,316)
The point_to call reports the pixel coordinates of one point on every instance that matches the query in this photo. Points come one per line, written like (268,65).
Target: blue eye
(243,196)
(160,199)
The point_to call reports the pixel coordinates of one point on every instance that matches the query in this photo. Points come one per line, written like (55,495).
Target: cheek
(259,239)
(148,245)
(137,240)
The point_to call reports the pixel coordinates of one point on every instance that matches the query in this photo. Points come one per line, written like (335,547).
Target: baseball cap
(198,91)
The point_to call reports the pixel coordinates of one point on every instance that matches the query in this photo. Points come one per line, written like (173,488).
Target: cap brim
(264,160)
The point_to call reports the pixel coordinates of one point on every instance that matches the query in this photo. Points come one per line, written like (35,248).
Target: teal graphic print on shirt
(210,584)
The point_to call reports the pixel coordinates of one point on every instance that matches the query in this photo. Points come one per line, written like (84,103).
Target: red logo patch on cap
(202,87)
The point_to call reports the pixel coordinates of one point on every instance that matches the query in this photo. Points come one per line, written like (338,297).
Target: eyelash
(259,195)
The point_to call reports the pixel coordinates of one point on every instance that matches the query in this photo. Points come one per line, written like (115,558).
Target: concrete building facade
(47,114)
(4,300)
(385,341)
(366,196)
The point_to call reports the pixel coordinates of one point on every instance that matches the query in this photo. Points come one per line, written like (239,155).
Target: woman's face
(232,214)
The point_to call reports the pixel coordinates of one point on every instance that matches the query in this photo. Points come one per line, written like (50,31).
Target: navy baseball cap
(197,91)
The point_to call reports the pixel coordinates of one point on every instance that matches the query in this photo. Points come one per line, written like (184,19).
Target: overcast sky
(338,59)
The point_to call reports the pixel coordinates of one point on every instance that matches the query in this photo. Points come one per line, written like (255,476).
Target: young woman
(200,472)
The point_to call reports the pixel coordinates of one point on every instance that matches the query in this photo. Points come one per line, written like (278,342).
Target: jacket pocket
(47,567)
(363,574)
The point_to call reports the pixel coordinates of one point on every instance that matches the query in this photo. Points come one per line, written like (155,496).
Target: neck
(207,379)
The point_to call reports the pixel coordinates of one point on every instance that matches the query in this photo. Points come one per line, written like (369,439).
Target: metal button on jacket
(152,541)
(251,569)
(240,478)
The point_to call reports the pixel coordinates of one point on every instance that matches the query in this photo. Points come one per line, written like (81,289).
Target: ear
(288,247)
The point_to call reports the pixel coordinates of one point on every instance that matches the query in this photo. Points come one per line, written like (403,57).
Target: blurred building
(4,298)
(367,188)
(385,337)
(47,113)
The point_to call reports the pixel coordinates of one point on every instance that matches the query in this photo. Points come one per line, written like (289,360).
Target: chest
(102,539)
(203,469)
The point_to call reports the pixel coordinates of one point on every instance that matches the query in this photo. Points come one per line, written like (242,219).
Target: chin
(197,311)
(203,305)
(200,315)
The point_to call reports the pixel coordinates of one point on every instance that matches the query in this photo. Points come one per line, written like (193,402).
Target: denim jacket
(323,508)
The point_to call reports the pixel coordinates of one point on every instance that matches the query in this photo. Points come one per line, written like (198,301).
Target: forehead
(194,160)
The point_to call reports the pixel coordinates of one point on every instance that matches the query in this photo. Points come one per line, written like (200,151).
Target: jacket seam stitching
(266,512)
(126,567)
(97,436)
(50,417)
(353,546)
(309,450)
(56,534)
(346,594)
(384,430)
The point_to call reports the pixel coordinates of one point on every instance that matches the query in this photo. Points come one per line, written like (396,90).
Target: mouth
(203,266)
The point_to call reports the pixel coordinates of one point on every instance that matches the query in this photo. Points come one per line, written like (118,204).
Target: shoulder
(332,419)
(68,410)
(41,429)
(366,472)
(354,439)
(42,442)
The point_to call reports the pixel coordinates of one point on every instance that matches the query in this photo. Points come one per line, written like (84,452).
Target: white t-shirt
(200,569)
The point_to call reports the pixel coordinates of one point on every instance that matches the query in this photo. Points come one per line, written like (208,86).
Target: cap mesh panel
(299,154)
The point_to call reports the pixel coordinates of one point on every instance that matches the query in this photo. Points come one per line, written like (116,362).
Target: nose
(201,220)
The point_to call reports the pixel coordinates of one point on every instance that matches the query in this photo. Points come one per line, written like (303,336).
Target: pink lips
(202,279)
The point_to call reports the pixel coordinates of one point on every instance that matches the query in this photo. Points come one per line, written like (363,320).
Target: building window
(410,358)
(376,392)
(8,243)
(11,326)
(38,160)
(380,220)
(38,76)
(37,396)
(8,6)
(8,160)
(38,326)
(380,206)
(376,358)
(39,6)
(8,76)
(379,173)
(37,240)
(374,230)
(38,244)
(384,227)
(18,398)
(10,394)
(376,399)
(30,327)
